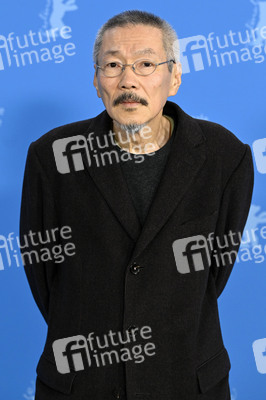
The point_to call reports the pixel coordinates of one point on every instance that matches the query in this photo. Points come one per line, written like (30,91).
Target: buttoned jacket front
(123,275)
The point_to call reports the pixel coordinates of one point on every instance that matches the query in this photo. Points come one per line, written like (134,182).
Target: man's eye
(145,64)
(112,65)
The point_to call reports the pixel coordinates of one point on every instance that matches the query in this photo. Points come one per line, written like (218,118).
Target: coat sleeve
(37,214)
(233,213)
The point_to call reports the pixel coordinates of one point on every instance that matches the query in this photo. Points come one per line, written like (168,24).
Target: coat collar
(186,157)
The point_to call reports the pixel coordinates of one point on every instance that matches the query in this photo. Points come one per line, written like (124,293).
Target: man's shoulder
(223,144)
(219,135)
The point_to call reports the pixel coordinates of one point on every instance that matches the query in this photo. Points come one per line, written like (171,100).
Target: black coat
(123,276)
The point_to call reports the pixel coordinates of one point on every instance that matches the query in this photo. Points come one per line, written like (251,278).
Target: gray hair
(136,17)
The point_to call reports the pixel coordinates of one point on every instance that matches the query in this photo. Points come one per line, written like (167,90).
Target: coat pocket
(47,372)
(213,370)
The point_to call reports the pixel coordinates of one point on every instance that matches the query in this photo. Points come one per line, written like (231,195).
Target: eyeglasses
(141,67)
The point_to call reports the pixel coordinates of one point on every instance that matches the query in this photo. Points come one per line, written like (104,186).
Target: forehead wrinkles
(140,52)
(131,41)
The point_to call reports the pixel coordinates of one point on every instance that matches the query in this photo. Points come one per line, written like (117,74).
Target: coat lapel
(186,157)
(110,179)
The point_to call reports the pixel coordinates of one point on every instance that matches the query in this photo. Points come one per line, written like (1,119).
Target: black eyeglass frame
(133,68)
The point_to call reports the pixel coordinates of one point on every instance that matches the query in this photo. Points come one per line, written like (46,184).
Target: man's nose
(128,78)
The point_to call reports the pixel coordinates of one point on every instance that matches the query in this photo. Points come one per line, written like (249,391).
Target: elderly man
(154,203)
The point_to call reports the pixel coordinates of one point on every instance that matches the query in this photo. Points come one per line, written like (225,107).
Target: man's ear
(175,79)
(95,82)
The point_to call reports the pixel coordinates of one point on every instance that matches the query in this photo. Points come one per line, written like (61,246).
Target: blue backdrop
(223,52)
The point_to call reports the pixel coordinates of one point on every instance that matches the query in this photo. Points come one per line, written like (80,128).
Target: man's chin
(130,127)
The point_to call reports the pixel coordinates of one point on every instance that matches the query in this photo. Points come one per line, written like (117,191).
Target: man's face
(132,43)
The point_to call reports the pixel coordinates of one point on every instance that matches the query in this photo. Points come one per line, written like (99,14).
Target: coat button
(117,393)
(135,268)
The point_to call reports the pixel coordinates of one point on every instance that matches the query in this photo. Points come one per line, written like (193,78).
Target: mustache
(129,96)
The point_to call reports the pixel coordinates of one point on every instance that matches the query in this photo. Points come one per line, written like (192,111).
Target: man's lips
(130,102)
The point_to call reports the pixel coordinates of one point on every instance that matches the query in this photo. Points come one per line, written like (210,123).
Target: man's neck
(145,141)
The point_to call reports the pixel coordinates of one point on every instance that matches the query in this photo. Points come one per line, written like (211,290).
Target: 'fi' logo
(71,154)
(4,245)
(191,254)
(259,148)
(259,350)
(3,45)
(71,353)
(194,53)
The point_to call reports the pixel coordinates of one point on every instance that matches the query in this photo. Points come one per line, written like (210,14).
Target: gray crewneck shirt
(143,177)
